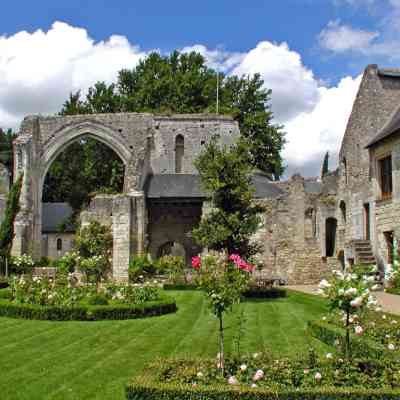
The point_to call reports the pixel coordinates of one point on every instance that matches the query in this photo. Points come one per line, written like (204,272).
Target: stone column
(121,229)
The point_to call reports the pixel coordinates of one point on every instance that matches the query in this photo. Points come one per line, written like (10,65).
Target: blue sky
(310,52)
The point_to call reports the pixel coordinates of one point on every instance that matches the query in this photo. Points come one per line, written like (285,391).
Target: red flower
(196,262)
(241,263)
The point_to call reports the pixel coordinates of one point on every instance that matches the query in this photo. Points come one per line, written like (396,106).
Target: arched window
(330,236)
(310,223)
(179,152)
(59,244)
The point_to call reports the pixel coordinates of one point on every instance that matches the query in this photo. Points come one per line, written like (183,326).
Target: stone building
(57,234)
(311,225)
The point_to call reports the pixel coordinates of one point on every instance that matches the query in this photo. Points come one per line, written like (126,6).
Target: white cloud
(340,38)
(40,69)
(311,135)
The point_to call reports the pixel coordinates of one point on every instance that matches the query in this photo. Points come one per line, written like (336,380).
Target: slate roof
(391,127)
(53,215)
(188,186)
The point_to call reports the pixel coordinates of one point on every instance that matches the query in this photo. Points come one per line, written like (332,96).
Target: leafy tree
(325,165)
(6,148)
(225,174)
(182,83)
(7,226)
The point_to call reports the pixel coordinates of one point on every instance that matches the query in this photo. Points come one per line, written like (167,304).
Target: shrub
(21,264)
(184,286)
(94,244)
(87,312)
(98,299)
(68,263)
(44,262)
(139,267)
(173,266)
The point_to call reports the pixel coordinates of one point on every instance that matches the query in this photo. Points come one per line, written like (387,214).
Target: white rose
(243,367)
(318,376)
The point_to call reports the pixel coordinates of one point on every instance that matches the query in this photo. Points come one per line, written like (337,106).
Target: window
(385,175)
(345,170)
(59,244)
(179,152)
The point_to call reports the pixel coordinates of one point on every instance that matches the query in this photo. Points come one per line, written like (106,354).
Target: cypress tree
(7,226)
(325,165)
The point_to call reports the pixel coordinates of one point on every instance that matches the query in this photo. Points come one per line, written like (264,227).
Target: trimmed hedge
(180,286)
(393,291)
(4,284)
(87,312)
(5,294)
(360,347)
(144,388)
(264,293)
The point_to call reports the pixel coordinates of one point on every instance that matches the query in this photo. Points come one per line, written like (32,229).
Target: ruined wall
(292,236)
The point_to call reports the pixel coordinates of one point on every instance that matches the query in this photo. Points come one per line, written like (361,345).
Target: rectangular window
(385,168)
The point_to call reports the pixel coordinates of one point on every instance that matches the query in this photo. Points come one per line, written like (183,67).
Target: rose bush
(350,294)
(223,278)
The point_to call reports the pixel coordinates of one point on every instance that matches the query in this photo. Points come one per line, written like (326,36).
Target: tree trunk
(221,345)
(347,344)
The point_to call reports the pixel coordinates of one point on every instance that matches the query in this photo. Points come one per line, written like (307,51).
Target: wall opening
(179,153)
(175,249)
(330,236)
(82,169)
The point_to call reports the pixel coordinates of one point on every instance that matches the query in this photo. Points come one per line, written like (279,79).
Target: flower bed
(393,291)
(86,312)
(64,299)
(266,378)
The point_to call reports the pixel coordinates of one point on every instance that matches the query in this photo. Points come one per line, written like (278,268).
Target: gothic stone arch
(42,139)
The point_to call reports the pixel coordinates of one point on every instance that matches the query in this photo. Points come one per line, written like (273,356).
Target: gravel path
(389,302)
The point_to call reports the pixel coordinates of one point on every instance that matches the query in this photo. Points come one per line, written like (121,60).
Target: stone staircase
(363,253)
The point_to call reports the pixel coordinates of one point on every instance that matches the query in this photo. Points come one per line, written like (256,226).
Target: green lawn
(93,360)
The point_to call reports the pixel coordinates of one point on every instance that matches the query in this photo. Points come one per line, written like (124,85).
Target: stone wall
(49,244)
(292,235)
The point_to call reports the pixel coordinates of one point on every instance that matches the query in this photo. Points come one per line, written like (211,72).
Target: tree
(182,83)
(6,148)
(325,165)
(225,174)
(7,226)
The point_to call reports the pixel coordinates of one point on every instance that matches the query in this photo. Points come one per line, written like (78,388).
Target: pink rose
(196,262)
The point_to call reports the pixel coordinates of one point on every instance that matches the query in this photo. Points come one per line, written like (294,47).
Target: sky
(311,53)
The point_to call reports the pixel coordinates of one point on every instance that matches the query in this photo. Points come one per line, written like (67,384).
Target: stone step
(365,253)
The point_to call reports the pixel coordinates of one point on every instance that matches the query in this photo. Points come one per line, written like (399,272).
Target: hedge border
(180,286)
(328,333)
(271,293)
(145,388)
(4,285)
(163,306)
(395,291)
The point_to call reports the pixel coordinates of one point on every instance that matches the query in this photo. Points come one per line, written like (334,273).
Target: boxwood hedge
(87,312)
(144,388)
(360,346)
